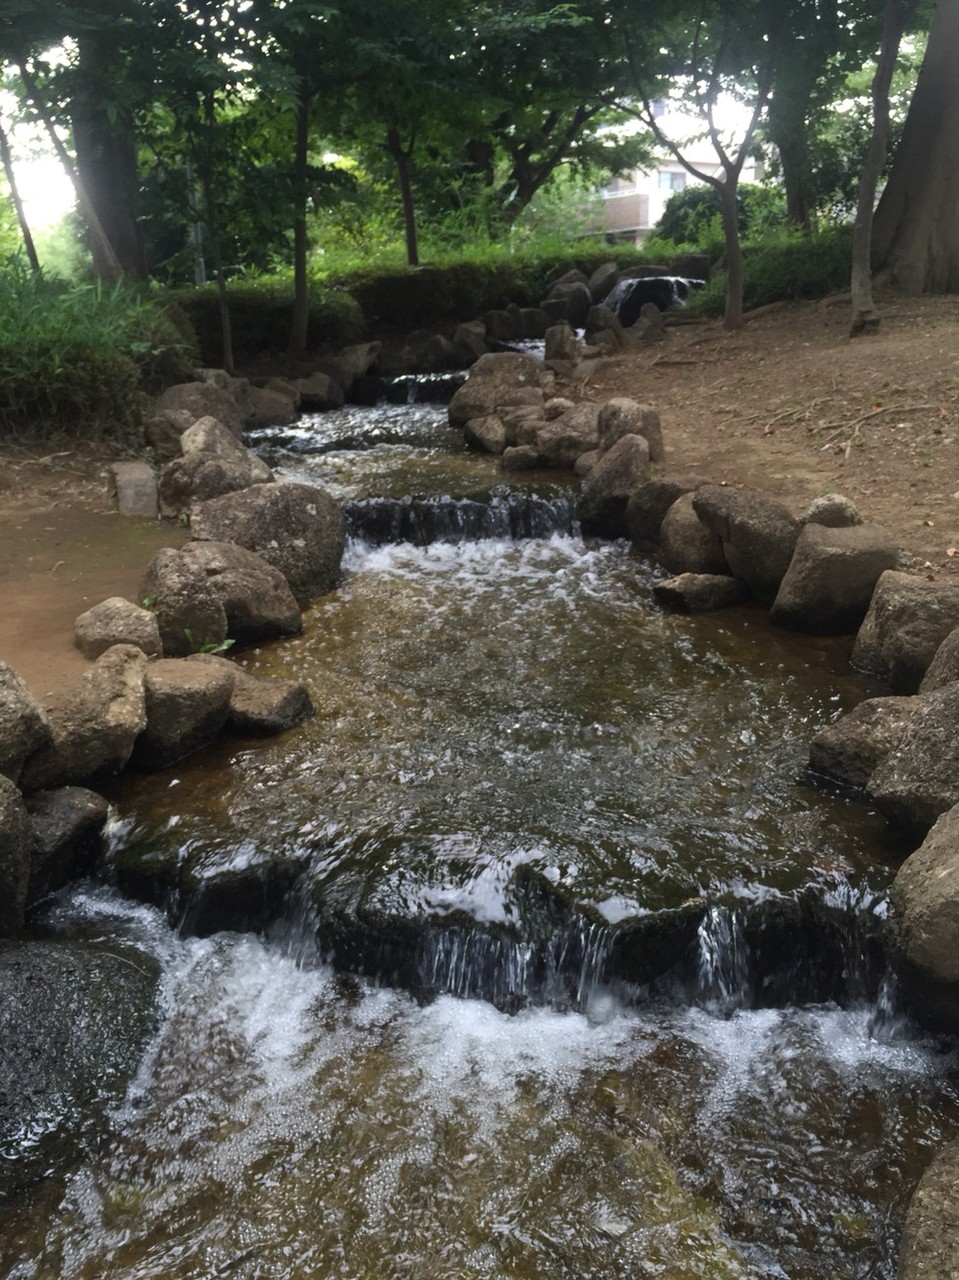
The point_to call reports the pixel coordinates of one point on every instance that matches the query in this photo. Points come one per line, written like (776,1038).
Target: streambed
(564,968)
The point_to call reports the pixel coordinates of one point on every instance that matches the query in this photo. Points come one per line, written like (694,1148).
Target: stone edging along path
(157,689)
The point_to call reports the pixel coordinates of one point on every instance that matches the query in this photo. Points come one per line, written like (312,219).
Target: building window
(670,180)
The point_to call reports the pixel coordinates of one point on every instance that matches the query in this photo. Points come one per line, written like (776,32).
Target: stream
(534,954)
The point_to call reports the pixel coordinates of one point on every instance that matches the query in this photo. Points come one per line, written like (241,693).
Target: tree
(698,53)
(915,230)
(865,317)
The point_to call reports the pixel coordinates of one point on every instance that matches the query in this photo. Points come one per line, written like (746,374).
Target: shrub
(786,267)
(76,359)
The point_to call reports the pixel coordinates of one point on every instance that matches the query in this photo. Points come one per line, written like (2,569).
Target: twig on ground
(838,428)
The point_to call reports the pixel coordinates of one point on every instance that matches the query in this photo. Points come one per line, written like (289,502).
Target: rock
(116,621)
(586,461)
(163,432)
(648,504)
(133,486)
(601,320)
(850,750)
(631,295)
(75,1019)
(319,393)
(603,280)
(350,363)
(758,534)
(187,609)
(929,1247)
(556,310)
(284,387)
(500,325)
(686,545)
(700,592)
(24,727)
(908,620)
(201,400)
(213,462)
(15,849)
(575,432)
(494,380)
(521,457)
(622,417)
(561,343)
(577,297)
(187,705)
(924,924)
(262,407)
(218,378)
(533,322)
(556,407)
(606,490)
(522,422)
(944,668)
(261,707)
(255,595)
(433,354)
(832,510)
(487,433)
(469,340)
(94,725)
(573,276)
(295,527)
(651,324)
(209,435)
(919,779)
(831,577)
(67,827)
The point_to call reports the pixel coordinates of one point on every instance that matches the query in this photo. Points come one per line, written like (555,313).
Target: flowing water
(534,954)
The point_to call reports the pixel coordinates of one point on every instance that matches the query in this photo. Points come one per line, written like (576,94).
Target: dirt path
(788,405)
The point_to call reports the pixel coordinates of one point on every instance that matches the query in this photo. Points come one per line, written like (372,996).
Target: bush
(76,360)
(786,267)
(261,316)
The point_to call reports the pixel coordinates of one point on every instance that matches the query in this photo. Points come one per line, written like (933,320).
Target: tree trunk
(401,156)
(915,230)
(729,207)
(112,269)
(865,317)
(213,232)
(28,244)
(301,293)
(788,129)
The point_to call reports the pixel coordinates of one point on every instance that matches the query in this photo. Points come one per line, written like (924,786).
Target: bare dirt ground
(789,405)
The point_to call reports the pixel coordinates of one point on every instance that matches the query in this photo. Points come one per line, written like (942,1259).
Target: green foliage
(785,266)
(692,217)
(76,359)
(207,646)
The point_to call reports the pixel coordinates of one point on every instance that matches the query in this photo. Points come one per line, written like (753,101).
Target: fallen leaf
(952,551)
(930,524)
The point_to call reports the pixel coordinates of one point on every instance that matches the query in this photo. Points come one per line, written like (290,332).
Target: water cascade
(533,954)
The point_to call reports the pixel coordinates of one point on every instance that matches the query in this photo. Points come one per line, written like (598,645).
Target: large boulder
(201,400)
(350,363)
(919,779)
(15,849)
(577,298)
(929,1246)
(488,434)
(94,724)
(255,595)
(213,462)
(258,706)
(493,381)
(75,1018)
(908,620)
(924,923)
(163,432)
(852,748)
(700,592)
(561,343)
(67,827)
(295,527)
(944,668)
(606,489)
(116,621)
(622,417)
(758,534)
(573,433)
(187,705)
(24,727)
(188,610)
(603,280)
(831,577)
(648,504)
(319,393)
(686,545)
(265,407)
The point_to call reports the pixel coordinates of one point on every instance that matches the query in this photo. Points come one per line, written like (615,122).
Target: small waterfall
(515,516)
(724,961)
(563,971)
